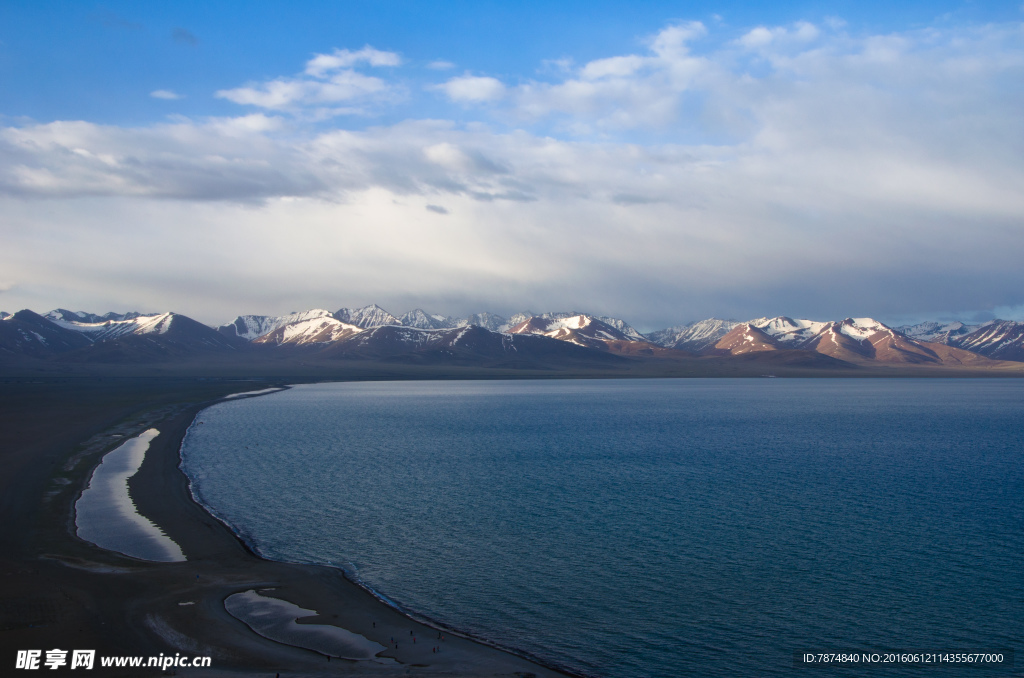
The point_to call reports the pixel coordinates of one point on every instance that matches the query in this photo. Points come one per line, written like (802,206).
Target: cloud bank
(792,169)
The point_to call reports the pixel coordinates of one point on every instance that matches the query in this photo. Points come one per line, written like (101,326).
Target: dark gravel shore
(58,591)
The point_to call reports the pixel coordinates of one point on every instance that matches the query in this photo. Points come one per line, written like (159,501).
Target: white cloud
(328,79)
(165,94)
(440,65)
(800,32)
(621,66)
(671,43)
(469,88)
(757,37)
(245,126)
(285,94)
(321,64)
(847,175)
(620,92)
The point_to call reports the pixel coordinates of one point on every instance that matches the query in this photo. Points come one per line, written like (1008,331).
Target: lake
(636,528)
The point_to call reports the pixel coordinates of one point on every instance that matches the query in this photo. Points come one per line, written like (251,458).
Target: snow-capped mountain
(367,316)
(999,340)
(488,321)
(517,319)
(373,333)
(153,338)
(622,326)
(855,340)
(250,327)
(309,327)
(105,330)
(580,329)
(939,333)
(695,337)
(470,345)
(61,314)
(429,321)
(996,339)
(28,333)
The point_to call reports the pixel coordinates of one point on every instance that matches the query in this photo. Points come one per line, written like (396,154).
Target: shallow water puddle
(275,619)
(248,394)
(106,516)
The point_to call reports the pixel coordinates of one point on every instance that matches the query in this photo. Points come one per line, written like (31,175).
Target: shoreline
(381,599)
(59,591)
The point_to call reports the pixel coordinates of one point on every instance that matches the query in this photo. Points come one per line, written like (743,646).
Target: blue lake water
(649,527)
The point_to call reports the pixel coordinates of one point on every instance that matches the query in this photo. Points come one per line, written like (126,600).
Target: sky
(660,163)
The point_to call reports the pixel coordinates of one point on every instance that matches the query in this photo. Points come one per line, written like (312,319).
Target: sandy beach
(61,592)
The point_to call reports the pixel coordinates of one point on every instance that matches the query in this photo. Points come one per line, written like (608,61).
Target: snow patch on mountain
(697,336)
(61,314)
(576,328)
(862,328)
(799,333)
(940,333)
(105,330)
(488,321)
(250,327)
(1000,340)
(367,316)
(622,326)
(429,321)
(309,327)
(154,325)
(790,331)
(517,319)
(575,320)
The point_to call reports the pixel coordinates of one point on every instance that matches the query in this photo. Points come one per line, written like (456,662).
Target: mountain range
(548,340)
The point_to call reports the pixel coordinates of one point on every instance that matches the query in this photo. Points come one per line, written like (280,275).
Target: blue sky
(661,163)
(99,62)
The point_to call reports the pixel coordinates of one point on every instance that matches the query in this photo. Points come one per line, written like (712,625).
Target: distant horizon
(813,159)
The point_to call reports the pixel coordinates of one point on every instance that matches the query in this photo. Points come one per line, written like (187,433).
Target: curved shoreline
(473,655)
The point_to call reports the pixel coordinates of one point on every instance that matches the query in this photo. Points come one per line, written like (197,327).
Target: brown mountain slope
(851,343)
(745,338)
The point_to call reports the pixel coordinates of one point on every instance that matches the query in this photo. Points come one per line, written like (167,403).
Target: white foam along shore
(106,516)
(277,620)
